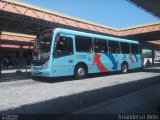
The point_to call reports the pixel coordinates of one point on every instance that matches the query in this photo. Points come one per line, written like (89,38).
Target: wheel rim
(81,72)
(124,68)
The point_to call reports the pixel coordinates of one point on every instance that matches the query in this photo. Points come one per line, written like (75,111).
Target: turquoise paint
(64,66)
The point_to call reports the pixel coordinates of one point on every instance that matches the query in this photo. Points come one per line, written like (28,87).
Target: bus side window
(125,48)
(83,44)
(100,46)
(64,46)
(113,47)
(134,48)
(117,51)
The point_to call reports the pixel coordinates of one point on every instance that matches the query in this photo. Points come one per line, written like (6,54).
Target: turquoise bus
(63,52)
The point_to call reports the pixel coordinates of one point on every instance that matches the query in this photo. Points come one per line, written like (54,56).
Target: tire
(80,72)
(124,68)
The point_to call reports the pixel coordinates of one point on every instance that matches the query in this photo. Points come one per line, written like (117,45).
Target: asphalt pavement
(66,95)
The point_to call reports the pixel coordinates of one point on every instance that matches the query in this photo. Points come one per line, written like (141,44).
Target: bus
(63,52)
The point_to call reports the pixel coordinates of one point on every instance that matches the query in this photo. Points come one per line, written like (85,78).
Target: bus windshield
(43,46)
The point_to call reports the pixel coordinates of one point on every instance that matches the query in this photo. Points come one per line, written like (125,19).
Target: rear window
(134,48)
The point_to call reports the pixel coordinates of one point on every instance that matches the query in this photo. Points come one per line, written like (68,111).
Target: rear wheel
(124,68)
(80,72)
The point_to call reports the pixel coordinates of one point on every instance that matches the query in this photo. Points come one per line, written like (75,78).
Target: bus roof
(73,32)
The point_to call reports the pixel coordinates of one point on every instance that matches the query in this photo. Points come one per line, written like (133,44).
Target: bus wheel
(80,72)
(124,68)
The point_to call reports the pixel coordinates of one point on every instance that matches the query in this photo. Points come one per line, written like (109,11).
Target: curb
(14,78)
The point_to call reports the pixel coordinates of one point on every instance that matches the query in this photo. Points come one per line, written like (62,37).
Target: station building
(21,22)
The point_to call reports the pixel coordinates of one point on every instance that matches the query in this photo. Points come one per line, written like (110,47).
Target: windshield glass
(43,46)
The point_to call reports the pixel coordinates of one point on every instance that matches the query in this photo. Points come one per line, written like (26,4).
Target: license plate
(37,73)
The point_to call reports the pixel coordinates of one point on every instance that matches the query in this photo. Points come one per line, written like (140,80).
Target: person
(96,48)
(6,62)
(110,49)
(29,60)
(60,46)
(102,49)
(148,63)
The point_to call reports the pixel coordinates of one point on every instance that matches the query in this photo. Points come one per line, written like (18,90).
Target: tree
(147,54)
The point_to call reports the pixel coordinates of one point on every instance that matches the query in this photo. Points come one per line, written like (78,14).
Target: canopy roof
(150,6)
(24,18)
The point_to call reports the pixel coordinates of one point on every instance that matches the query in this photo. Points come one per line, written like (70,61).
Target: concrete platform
(14,74)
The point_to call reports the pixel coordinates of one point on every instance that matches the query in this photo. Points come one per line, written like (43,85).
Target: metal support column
(153,55)
(0,54)
(21,51)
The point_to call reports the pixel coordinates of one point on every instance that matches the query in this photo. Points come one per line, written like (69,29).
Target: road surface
(65,95)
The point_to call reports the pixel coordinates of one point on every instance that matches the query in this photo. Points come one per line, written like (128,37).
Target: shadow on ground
(95,75)
(71,103)
(70,78)
(152,70)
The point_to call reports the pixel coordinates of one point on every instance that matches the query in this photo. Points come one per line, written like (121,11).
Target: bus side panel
(110,61)
(124,58)
(63,66)
(96,62)
(100,62)
(136,60)
(88,59)
(107,62)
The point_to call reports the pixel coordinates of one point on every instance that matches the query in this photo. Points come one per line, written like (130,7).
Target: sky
(112,13)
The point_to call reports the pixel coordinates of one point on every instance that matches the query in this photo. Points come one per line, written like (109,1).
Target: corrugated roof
(141,25)
(18,34)
(56,13)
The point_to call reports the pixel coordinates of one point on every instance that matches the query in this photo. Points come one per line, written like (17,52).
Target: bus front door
(63,63)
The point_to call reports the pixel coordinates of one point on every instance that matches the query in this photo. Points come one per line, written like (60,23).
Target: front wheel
(124,68)
(80,72)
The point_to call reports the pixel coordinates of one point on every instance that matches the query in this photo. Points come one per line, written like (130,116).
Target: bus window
(84,44)
(125,48)
(113,47)
(134,49)
(64,46)
(100,46)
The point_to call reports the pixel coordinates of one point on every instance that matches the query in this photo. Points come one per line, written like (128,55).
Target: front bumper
(40,71)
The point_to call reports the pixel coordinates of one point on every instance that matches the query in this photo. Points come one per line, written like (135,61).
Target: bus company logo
(89,58)
(81,56)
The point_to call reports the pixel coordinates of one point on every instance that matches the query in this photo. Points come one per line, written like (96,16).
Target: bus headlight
(46,64)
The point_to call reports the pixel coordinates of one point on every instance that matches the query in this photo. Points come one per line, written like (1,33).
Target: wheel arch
(83,64)
(125,62)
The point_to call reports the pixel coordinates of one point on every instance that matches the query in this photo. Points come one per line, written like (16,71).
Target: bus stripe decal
(136,57)
(113,60)
(130,57)
(100,66)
